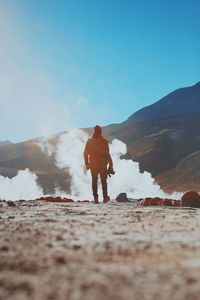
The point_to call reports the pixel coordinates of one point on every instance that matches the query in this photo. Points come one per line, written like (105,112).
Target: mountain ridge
(164,107)
(4,143)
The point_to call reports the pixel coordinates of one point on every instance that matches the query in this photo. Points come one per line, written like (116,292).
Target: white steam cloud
(128,178)
(69,155)
(22,186)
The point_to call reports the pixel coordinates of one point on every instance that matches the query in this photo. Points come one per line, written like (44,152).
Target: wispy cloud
(82,102)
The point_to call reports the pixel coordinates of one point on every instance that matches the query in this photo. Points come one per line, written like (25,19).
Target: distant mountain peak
(197,84)
(181,101)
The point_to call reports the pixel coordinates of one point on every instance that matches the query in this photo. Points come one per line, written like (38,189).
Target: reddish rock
(68,200)
(172,202)
(152,201)
(156,201)
(190,199)
(84,201)
(55,199)
(146,201)
(58,199)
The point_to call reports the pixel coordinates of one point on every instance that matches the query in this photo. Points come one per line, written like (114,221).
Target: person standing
(98,160)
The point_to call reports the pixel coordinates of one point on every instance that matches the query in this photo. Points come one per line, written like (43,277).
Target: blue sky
(77,63)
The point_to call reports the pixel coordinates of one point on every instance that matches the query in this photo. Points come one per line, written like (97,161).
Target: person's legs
(103,176)
(94,174)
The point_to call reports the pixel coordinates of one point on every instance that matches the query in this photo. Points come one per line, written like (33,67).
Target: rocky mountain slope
(15,157)
(4,143)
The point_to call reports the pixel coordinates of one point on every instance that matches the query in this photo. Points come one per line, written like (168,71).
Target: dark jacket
(96,153)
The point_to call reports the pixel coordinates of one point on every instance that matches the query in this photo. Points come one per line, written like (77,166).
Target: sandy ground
(98,252)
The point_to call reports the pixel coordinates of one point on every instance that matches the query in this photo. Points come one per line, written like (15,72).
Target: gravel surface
(98,252)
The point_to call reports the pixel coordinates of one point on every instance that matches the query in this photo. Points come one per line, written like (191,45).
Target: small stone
(59,238)
(4,248)
(76,247)
(60,260)
(122,197)
(11,203)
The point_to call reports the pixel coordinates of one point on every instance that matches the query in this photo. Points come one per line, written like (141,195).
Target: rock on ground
(109,251)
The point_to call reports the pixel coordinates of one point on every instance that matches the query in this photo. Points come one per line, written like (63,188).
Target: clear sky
(75,63)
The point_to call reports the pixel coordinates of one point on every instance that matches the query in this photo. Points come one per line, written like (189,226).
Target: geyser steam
(22,186)
(128,178)
(69,155)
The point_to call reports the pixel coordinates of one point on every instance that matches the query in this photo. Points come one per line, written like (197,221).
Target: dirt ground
(98,252)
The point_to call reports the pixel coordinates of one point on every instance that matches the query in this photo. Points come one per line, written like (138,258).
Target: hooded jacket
(96,153)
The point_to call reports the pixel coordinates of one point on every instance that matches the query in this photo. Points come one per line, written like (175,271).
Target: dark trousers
(103,176)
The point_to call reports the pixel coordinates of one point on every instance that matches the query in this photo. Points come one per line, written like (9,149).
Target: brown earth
(109,251)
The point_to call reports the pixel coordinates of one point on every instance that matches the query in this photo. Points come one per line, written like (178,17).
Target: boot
(106,199)
(96,200)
